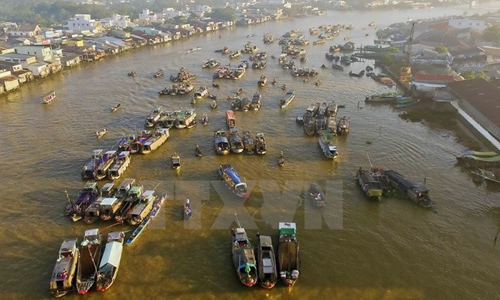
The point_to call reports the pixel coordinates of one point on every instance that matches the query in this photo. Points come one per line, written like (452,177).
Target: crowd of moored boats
(80,266)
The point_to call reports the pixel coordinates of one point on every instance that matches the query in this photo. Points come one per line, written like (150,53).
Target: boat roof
(91,232)
(287,225)
(230,114)
(126,182)
(68,245)
(135,190)
(90,185)
(115,235)
(97,152)
(148,194)
(110,152)
(260,134)
(112,254)
(108,201)
(265,241)
(233,175)
(108,186)
(124,153)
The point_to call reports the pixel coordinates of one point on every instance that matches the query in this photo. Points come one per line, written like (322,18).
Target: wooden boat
(183,76)
(320,118)
(213,105)
(233,181)
(287,99)
(316,196)
(288,253)
(372,187)
(418,193)
(142,208)
(153,117)
(157,205)
(86,197)
(89,170)
(63,275)
(201,93)
(176,161)
(135,234)
(132,73)
(235,54)
(186,119)
(327,145)
(329,56)
(243,257)
(109,206)
(106,161)
(360,74)
(100,133)
(267,268)
(197,151)
(488,175)
(262,81)
(256,101)
(211,63)
(120,165)
(332,109)
(337,67)
(248,142)
(110,262)
(221,142)
(260,144)
(157,139)
(47,98)
(90,256)
(128,203)
(235,141)
(93,211)
(116,107)
(230,121)
(281,160)
(319,42)
(343,126)
(154,212)
(384,97)
(245,104)
(204,120)
(188,210)
(158,74)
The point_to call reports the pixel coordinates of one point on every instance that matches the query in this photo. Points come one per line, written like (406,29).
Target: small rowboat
(281,159)
(100,133)
(116,107)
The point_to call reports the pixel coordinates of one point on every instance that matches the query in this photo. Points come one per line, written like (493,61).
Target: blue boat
(233,181)
(86,197)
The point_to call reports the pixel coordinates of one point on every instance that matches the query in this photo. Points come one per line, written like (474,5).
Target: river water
(361,249)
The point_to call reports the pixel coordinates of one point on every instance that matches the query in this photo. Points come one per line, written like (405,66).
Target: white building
(170,13)
(82,22)
(479,25)
(117,21)
(43,53)
(148,14)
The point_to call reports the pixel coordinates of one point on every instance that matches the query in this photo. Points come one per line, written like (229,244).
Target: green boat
(369,185)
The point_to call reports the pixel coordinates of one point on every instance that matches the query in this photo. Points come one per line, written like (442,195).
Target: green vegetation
(225,14)
(492,34)
(473,75)
(441,49)
(387,60)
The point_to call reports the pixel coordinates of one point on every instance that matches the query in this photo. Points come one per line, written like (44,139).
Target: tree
(387,60)
(470,75)
(441,49)
(225,14)
(492,34)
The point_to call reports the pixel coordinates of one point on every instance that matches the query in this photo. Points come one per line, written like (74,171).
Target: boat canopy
(147,194)
(233,175)
(267,265)
(108,201)
(90,185)
(69,245)
(112,254)
(265,241)
(246,266)
(126,183)
(124,154)
(108,154)
(107,187)
(287,228)
(97,153)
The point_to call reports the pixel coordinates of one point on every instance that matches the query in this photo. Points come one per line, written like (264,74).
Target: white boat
(61,281)
(142,210)
(159,137)
(201,93)
(100,133)
(121,164)
(186,119)
(47,98)
(287,99)
(176,162)
(326,144)
(110,262)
